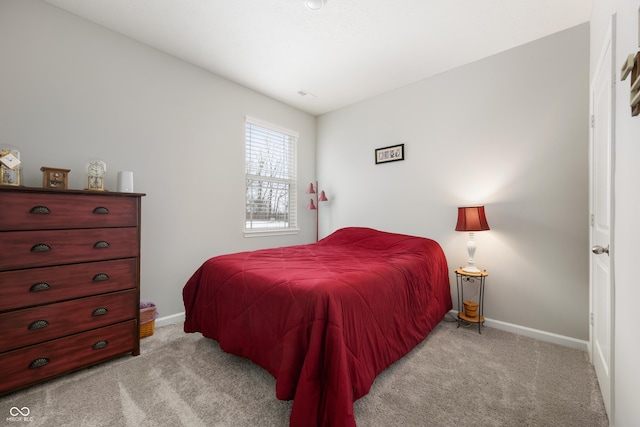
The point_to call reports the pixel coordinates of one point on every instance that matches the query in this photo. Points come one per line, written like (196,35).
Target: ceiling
(346,52)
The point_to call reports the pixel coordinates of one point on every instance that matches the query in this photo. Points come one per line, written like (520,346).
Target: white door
(601,188)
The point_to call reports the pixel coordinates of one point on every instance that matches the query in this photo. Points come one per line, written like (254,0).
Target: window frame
(290,181)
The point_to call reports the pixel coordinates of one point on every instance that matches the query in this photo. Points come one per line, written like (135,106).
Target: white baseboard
(534,333)
(509,327)
(170,320)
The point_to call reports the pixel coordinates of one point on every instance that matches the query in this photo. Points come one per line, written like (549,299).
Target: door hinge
(591,318)
(592,220)
(593,121)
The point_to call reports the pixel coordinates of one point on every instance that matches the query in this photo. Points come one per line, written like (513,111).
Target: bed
(324,318)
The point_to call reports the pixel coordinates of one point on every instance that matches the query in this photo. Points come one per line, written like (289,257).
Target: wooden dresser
(69,281)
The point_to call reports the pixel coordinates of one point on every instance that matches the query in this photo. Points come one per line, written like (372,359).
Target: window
(270,158)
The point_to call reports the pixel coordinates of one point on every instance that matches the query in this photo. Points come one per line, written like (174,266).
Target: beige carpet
(455,377)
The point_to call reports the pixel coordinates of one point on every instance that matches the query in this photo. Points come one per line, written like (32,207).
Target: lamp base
(471,250)
(471,269)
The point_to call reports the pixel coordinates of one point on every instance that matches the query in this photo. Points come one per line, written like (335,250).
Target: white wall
(510,132)
(626,411)
(71,90)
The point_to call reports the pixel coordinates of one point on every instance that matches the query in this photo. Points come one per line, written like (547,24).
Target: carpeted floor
(455,377)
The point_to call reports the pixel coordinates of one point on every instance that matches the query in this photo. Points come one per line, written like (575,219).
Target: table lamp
(471,219)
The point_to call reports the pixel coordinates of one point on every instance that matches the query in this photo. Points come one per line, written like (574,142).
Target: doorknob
(599,250)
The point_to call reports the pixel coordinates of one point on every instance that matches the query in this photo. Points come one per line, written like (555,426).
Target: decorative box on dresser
(69,281)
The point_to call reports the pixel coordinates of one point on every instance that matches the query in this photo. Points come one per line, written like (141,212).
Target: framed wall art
(392,153)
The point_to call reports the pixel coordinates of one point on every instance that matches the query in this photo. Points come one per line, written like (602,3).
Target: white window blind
(271,169)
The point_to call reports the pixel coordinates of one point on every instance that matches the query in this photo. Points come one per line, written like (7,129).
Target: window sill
(267,233)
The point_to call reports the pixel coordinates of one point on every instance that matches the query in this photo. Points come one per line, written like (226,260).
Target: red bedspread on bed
(324,319)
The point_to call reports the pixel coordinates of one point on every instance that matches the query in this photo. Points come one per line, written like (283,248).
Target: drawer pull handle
(100,344)
(101,244)
(39,362)
(100,311)
(40,286)
(101,210)
(40,210)
(100,277)
(40,247)
(38,324)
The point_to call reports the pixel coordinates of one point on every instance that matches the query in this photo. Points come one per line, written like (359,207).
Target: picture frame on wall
(393,153)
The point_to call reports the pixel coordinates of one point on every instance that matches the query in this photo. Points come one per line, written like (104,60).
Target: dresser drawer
(28,365)
(24,249)
(40,211)
(37,286)
(32,325)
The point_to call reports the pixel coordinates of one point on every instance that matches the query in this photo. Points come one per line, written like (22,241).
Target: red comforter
(324,319)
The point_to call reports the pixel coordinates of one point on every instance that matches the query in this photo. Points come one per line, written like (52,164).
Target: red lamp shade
(323,197)
(311,206)
(472,219)
(310,189)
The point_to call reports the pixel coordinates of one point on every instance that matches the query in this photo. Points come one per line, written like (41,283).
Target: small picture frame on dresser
(55,178)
